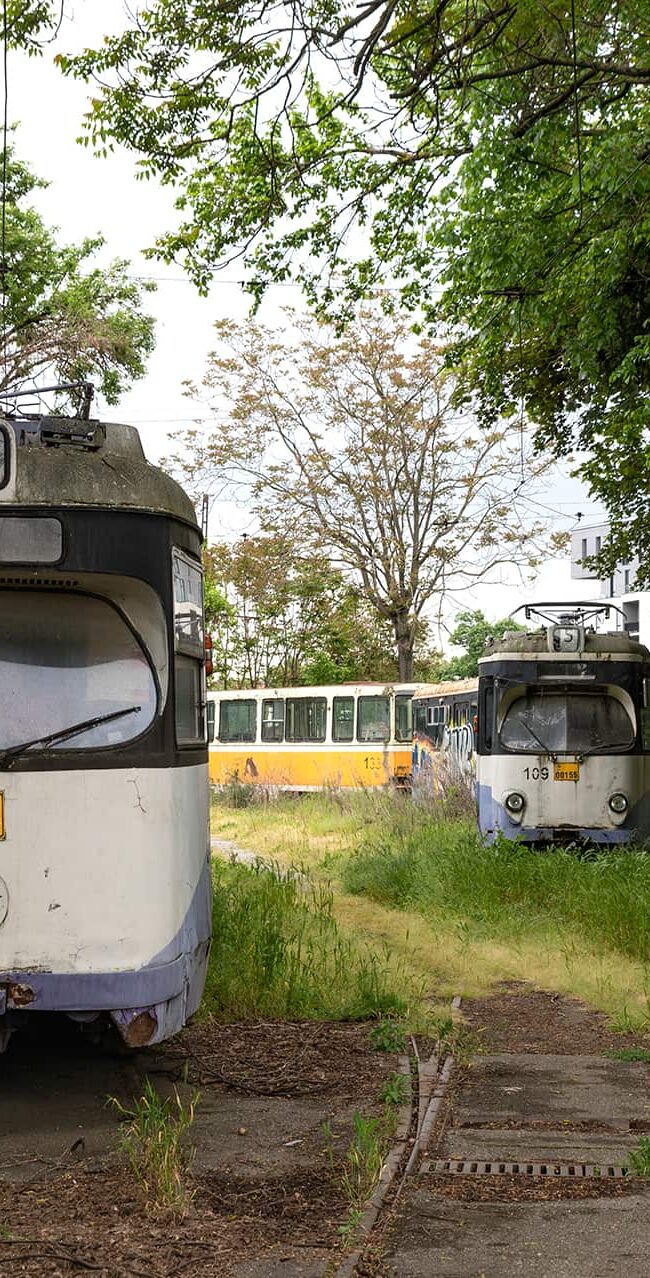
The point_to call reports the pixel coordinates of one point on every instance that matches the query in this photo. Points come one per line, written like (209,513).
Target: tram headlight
(515,802)
(618,803)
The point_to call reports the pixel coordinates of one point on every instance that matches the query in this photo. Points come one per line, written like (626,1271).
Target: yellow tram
(347,736)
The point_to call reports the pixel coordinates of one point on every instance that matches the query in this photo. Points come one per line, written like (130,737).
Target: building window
(598,545)
(584,547)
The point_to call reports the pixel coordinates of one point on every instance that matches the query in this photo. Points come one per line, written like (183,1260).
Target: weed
(364,1160)
(387,1036)
(350,1225)
(277,951)
(630,1054)
(5,1232)
(152,1138)
(237,794)
(394,1091)
(640,1157)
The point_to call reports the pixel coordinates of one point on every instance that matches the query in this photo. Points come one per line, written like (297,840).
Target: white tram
(104,845)
(564,732)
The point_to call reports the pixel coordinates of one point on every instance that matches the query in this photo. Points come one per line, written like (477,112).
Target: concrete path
(558,1111)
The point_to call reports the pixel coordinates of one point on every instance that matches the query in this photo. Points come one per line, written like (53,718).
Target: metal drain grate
(573,1171)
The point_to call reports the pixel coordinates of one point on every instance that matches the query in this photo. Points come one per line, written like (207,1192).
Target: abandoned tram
(104,845)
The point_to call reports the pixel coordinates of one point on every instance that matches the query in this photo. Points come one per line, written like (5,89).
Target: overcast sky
(89,195)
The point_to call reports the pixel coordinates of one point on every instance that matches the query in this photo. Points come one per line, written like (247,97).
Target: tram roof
(535,644)
(54,467)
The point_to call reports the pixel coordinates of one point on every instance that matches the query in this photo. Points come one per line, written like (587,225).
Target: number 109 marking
(536,774)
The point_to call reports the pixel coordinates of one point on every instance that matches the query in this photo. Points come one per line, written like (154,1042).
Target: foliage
(153,1139)
(277,952)
(473,632)
(364,1159)
(494,158)
(282,615)
(387,1036)
(62,312)
(353,444)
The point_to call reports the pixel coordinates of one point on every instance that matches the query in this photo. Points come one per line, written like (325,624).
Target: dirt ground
(266,1198)
(520,1019)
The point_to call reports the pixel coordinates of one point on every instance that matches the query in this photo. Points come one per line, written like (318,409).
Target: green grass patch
(630,1054)
(443,870)
(278,952)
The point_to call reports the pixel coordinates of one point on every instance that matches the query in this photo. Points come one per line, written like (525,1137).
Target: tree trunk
(405,644)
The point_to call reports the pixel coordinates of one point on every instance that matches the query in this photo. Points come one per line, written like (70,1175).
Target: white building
(620,588)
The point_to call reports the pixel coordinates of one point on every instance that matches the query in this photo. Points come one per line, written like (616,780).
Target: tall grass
(277,951)
(442,870)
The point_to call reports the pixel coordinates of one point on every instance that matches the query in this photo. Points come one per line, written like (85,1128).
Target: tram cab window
(306,718)
(211,720)
(403,717)
(569,722)
(343,719)
(65,659)
(273,719)
(188,643)
(238,720)
(373,719)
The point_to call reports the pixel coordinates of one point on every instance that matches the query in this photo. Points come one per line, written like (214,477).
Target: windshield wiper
(539,741)
(608,745)
(8,757)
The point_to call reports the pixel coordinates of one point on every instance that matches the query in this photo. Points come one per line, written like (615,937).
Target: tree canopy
(472,632)
(353,444)
(493,159)
(62,312)
(281,615)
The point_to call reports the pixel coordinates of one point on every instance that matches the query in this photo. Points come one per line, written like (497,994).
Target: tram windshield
(567,722)
(66,659)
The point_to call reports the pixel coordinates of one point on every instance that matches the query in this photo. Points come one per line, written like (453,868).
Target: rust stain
(20,995)
(139,1031)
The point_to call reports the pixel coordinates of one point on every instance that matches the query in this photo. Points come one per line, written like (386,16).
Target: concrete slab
(508,1145)
(594,1238)
(575,1088)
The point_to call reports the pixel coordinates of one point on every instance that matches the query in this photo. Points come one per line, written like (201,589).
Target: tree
(494,155)
(352,443)
(473,632)
(62,314)
(281,615)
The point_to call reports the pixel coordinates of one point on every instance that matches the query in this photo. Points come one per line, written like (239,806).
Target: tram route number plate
(566,771)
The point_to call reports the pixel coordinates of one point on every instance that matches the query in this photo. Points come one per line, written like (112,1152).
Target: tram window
(273,719)
(65,659)
(343,719)
(571,722)
(373,719)
(421,716)
(211,720)
(189,702)
(188,605)
(306,718)
(33,540)
(403,718)
(238,720)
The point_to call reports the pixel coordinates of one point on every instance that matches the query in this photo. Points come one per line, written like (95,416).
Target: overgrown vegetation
(443,870)
(154,1140)
(279,952)
(639,1158)
(459,917)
